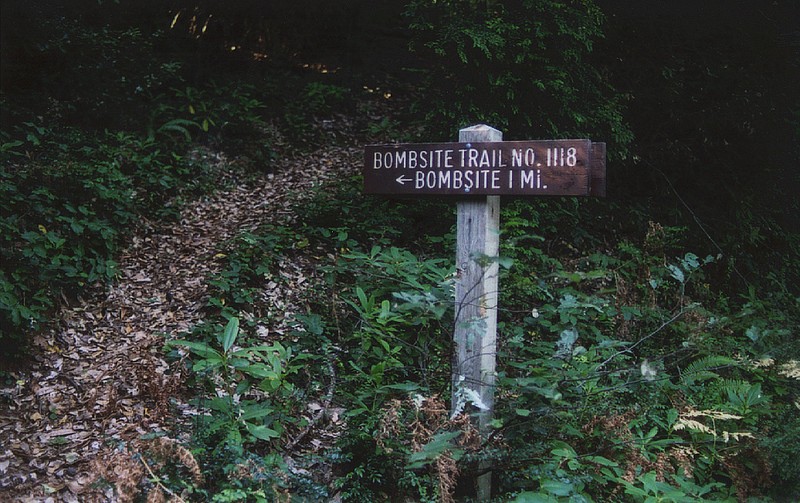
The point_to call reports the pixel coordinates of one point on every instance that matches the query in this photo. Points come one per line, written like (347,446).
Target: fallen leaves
(99,381)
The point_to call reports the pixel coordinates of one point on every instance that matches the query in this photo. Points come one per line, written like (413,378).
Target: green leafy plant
(315,101)
(248,403)
(68,193)
(520,66)
(248,264)
(260,369)
(680,490)
(401,320)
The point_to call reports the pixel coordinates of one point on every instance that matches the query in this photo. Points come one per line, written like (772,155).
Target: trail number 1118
(560,156)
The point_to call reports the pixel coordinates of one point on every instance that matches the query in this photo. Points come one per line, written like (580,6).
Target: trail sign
(545,168)
(484,165)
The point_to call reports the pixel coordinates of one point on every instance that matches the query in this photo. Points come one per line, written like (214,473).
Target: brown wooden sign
(546,167)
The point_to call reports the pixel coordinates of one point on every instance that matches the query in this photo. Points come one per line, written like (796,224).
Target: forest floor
(72,423)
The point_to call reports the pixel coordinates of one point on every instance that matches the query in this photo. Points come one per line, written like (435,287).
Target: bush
(622,372)
(61,226)
(625,369)
(68,195)
(619,372)
(522,67)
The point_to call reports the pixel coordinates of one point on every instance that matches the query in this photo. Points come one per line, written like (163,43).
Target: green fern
(705,368)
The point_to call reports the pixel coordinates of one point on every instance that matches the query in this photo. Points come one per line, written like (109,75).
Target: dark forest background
(698,102)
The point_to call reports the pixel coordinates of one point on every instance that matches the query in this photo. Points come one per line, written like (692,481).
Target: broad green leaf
(262,432)
(505,262)
(563,453)
(600,460)
(257,371)
(531,497)
(385,309)
(676,273)
(8,146)
(231,331)
(201,349)
(270,383)
(256,412)
(245,352)
(362,297)
(406,386)
(634,491)
(558,488)
(207,363)
(438,444)
(649,482)
(220,403)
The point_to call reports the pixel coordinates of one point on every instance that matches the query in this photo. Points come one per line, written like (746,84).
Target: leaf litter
(70,423)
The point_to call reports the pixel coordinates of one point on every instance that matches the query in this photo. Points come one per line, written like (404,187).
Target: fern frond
(734,387)
(713,414)
(691,424)
(790,369)
(704,369)
(735,435)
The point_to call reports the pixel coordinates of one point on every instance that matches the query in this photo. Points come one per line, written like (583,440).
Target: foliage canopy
(648,343)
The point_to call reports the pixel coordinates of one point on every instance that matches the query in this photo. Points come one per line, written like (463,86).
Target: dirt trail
(100,381)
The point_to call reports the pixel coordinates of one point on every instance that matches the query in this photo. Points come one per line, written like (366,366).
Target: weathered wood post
(475,335)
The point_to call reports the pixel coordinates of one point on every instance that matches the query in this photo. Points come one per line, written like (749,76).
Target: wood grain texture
(597,159)
(475,336)
(534,167)
(478,239)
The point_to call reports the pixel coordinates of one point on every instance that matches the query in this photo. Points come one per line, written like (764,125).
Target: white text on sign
(473,158)
(535,167)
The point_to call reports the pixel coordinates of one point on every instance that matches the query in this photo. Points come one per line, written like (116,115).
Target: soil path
(100,381)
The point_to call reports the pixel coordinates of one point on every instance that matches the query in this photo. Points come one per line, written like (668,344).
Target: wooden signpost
(486,167)
(480,164)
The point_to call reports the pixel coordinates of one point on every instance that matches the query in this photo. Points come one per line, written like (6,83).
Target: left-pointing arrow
(402,179)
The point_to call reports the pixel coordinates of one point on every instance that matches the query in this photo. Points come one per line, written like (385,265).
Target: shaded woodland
(299,333)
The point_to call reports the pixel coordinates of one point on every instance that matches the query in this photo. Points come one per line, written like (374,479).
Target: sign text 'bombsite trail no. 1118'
(546,167)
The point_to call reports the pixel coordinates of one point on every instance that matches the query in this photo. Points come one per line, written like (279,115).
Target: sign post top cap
(481,128)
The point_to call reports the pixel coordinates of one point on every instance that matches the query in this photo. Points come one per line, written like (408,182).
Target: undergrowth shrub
(97,119)
(519,66)
(248,405)
(95,141)
(622,373)
(61,224)
(638,374)
(339,215)
(251,261)
(70,198)
(63,217)
(394,324)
